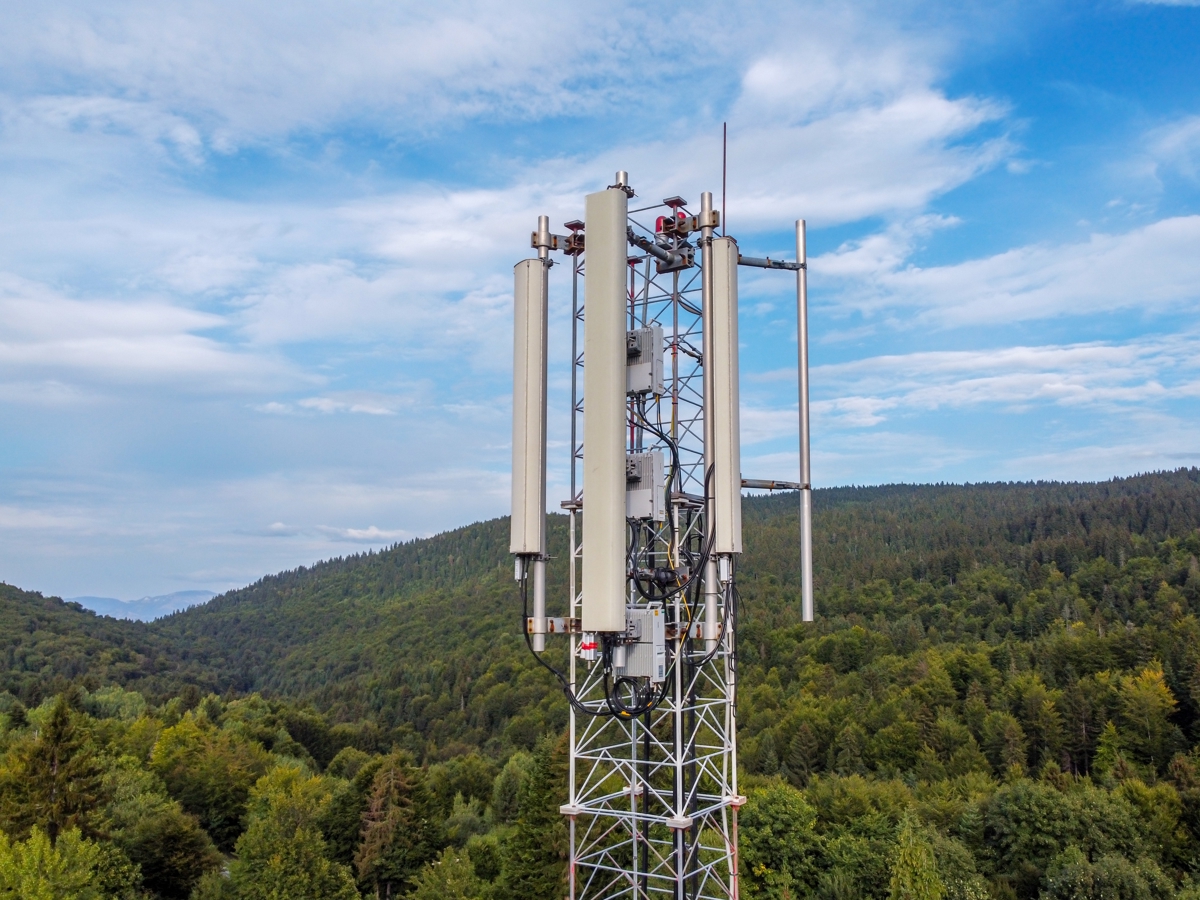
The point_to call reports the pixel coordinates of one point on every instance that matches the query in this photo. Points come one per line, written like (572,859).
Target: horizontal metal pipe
(769,263)
(659,253)
(759,484)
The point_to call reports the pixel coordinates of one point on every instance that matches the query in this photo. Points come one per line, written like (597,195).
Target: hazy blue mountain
(146,609)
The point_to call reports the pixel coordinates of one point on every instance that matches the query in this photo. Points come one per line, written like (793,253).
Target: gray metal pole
(806,567)
(538,638)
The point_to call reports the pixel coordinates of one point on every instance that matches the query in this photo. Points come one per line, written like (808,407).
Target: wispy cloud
(132,341)
(101,115)
(73,529)
(1176,146)
(1084,410)
(1154,269)
(371,535)
(251,71)
(1128,378)
(366,402)
(1128,375)
(24,519)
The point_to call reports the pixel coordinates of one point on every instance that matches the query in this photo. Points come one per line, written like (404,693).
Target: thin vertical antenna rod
(538,637)
(806,566)
(724,168)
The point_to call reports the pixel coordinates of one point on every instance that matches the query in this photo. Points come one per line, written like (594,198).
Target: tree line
(104,796)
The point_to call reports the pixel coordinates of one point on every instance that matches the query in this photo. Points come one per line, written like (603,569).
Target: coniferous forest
(1000,700)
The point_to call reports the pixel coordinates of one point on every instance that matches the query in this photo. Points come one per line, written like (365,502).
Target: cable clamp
(554,625)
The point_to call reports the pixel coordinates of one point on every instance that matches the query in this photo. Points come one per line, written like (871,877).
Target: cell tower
(654,534)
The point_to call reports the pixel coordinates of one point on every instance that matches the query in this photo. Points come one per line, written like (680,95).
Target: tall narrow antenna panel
(727,450)
(528,536)
(604,351)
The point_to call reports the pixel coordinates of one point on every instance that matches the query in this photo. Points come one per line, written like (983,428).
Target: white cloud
(1176,146)
(843,121)
(813,76)
(1154,269)
(24,519)
(37,312)
(1173,447)
(874,457)
(247,70)
(63,339)
(258,69)
(1075,411)
(841,124)
(876,160)
(760,424)
(835,116)
(199,271)
(1122,379)
(371,535)
(855,412)
(111,115)
(882,252)
(366,402)
(79,533)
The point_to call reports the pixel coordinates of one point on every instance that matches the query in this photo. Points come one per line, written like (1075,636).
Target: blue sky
(255,258)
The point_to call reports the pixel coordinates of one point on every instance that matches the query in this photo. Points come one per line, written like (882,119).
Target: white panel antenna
(529,409)
(727,433)
(604,350)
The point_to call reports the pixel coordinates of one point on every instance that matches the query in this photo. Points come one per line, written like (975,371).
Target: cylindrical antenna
(538,629)
(542,240)
(528,534)
(622,179)
(806,564)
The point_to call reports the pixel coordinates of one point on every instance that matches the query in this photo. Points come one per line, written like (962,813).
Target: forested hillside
(1000,698)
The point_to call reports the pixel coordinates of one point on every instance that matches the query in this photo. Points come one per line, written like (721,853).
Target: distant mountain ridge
(147,609)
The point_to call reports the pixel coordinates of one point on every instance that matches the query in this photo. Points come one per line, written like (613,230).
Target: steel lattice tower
(653,785)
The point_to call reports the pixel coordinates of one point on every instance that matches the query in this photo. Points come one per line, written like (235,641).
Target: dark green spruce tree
(401,830)
(52,780)
(534,859)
